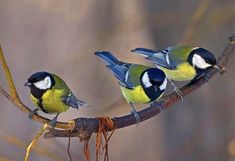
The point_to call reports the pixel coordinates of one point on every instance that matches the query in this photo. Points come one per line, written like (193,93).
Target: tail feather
(118,68)
(82,103)
(143,51)
(107,57)
(72,101)
(160,58)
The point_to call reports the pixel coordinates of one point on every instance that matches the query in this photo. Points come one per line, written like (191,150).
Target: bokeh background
(61,36)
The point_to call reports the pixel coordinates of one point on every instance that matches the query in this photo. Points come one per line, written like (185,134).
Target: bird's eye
(207,60)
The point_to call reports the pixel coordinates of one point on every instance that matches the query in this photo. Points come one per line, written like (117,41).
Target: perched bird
(138,83)
(181,63)
(50,94)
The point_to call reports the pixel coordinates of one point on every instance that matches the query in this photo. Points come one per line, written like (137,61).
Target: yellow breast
(184,72)
(51,101)
(136,95)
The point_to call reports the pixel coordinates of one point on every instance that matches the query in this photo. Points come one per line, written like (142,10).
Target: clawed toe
(206,76)
(53,121)
(179,93)
(33,112)
(135,113)
(176,89)
(159,104)
(137,117)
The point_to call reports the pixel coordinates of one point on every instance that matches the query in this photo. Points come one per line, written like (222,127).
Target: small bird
(138,83)
(50,94)
(181,63)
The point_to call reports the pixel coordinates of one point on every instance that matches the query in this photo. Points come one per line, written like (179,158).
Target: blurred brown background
(61,36)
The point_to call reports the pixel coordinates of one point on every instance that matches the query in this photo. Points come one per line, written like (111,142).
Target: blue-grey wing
(120,72)
(118,68)
(72,101)
(161,58)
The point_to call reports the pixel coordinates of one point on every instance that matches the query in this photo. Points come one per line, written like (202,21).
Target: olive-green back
(179,54)
(135,72)
(60,84)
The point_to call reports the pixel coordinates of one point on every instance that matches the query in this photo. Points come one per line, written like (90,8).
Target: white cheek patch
(199,62)
(146,81)
(126,76)
(163,86)
(167,59)
(44,84)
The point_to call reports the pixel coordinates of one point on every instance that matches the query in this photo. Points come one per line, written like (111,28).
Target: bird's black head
(202,59)
(154,82)
(40,82)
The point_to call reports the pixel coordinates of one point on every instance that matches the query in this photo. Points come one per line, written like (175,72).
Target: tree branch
(9,79)
(84,127)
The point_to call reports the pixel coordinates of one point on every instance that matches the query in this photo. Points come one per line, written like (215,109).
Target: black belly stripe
(40,105)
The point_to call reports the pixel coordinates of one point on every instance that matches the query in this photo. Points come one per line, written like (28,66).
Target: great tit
(138,83)
(50,94)
(181,63)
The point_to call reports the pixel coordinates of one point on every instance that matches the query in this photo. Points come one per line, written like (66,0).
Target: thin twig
(19,143)
(9,79)
(4,92)
(68,149)
(34,141)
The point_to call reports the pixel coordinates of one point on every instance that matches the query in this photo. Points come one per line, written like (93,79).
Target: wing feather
(72,101)
(161,58)
(119,69)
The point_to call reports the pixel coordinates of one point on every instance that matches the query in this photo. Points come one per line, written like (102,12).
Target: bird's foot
(177,90)
(53,121)
(179,93)
(206,76)
(33,112)
(157,104)
(137,117)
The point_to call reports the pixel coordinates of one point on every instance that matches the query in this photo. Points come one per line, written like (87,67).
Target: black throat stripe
(40,105)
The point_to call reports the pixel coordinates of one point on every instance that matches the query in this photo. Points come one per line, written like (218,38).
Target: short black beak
(217,67)
(27,84)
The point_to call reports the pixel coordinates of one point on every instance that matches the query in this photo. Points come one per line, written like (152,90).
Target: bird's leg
(53,121)
(176,89)
(206,76)
(155,104)
(33,112)
(135,113)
